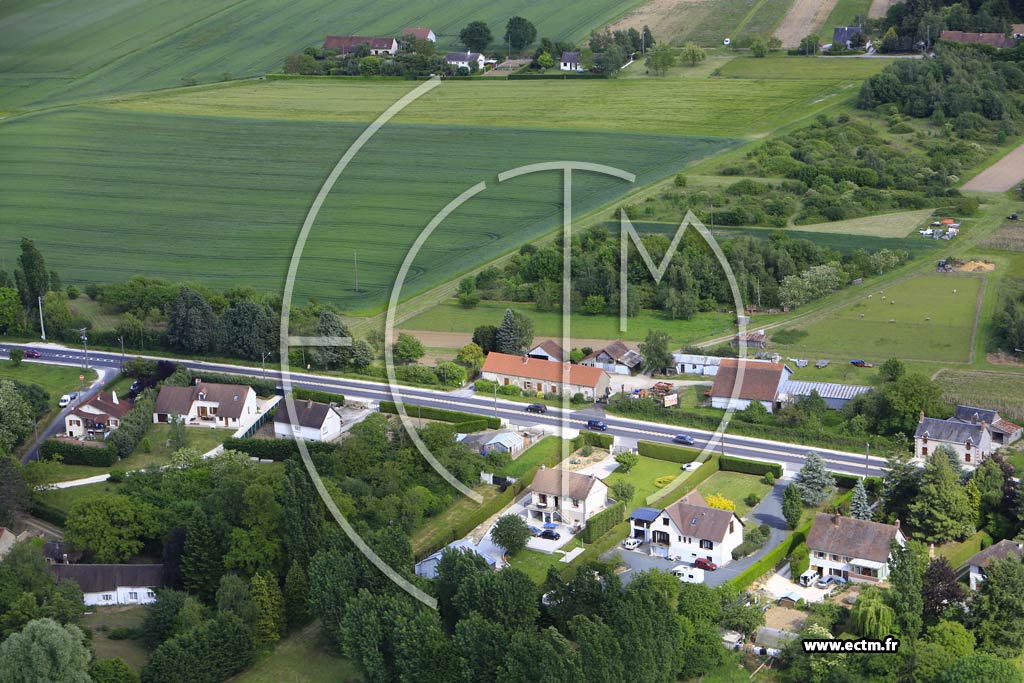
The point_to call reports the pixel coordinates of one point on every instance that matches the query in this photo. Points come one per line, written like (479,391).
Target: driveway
(768,511)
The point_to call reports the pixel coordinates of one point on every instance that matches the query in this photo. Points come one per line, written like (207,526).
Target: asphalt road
(791,456)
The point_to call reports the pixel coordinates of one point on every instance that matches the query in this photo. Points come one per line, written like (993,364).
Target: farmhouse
(560,497)
(113,584)
(96,416)
(692,364)
(753,340)
(570,62)
(466,59)
(998,551)
(972,442)
(854,549)
(215,405)
(427,567)
(531,374)
(688,529)
(616,358)
(312,421)
(1003,431)
(348,44)
(836,396)
(548,350)
(993,39)
(847,36)
(762,381)
(420,34)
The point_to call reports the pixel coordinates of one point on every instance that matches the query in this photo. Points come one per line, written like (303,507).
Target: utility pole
(121,339)
(42,325)
(85,344)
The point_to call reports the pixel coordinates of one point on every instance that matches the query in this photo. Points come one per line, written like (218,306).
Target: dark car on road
(32,353)
(550,535)
(597,425)
(536,408)
(684,439)
(704,564)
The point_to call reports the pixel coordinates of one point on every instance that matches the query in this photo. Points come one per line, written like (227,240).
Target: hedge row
(440,414)
(848,481)
(603,522)
(132,430)
(771,559)
(77,454)
(664,451)
(262,387)
(275,449)
(317,395)
(49,513)
(731,463)
(592,439)
(471,426)
(545,77)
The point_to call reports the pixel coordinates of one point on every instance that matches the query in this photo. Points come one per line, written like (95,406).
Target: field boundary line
(977,317)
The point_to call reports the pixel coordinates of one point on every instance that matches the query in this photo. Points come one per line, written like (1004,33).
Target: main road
(791,456)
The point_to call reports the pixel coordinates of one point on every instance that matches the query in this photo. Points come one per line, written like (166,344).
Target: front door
(203,411)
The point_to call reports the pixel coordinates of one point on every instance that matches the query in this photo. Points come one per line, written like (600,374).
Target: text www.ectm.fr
(824,645)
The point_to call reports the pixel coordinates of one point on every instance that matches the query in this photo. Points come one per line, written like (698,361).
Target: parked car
(690,466)
(684,439)
(826,581)
(136,385)
(597,425)
(32,353)
(535,530)
(707,565)
(73,395)
(550,534)
(631,543)
(536,408)
(688,574)
(858,363)
(64,401)
(808,577)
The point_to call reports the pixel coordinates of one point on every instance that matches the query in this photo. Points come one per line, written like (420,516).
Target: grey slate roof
(700,521)
(824,389)
(857,538)
(571,57)
(952,431)
(998,551)
(843,34)
(307,414)
(97,578)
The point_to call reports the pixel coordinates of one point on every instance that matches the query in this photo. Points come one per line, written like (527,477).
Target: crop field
(1009,237)
(683,106)
(917,319)
(108,194)
(843,14)
(894,225)
(1001,391)
(762,19)
(783,67)
(120,46)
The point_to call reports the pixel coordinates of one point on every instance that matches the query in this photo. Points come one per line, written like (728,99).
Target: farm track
(1000,176)
(879,8)
(802,18)
(977,318)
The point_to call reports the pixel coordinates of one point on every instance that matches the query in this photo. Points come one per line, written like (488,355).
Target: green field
(1003,392)
(56,379)
(843,14)
(301,658)
(800,68)
(889,225)
(221,200)
(682,106)
(64,499)
(118,46)
(931,323)
(451,317)
(762,19)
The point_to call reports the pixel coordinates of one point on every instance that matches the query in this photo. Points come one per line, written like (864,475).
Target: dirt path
(977,318)
(455,340)
(879,8)
(803,18)
(1000,176)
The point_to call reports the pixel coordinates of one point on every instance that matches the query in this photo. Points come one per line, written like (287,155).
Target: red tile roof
(543,370)
(993,39)
(760,380)
(420,33)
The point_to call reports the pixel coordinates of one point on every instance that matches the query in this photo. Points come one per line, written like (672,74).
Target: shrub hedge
(603,522)
(592,439)
(731,463)
(771,559)
(440,414)
(799,561)
(49,513)
(262,387)
(663,451)
(317,395)
(126,438)
(848,481)
(77,454)
(275,449)
(471,426)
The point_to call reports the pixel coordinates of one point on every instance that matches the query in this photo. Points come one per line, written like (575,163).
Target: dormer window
(664,521)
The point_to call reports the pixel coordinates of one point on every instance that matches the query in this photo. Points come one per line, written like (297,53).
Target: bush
(592,439)
(439,414)
(753,540)
(123,633)
(276,449)
(602,522)
(125,439)
(799,561)
(319,396)
(663,451)
(512,390)
(768,478)
(770,560)
(848,481)
(49,513)
(731,463)
(470,426)
(752,500)
(78,454)
(117,476)
(146,445)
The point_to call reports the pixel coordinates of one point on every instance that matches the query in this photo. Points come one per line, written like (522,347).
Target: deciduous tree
(511,533)
(45,651)
(476,36)
(656,352)
(110,528)
(693,53)
(519,32)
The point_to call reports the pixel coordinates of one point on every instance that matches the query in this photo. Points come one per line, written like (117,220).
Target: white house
(420,33)
(465,59)
(206,403)
(693,364)
(570,62)
(998,551)
(427,567)
(541,376)
(762,381)
(548,350)
(971,442)
(616,358)
(562,497)
(378,45)
(689,529)
(1003,431)
(96,416)
(312,421)
(113,584)
(854,549)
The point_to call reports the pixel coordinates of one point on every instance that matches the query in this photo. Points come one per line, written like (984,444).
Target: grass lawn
(735,486)
(56,379)
(779,66)
(541,452)
(84,307)
(843,14)
(1003,392)
(892,225)
(63,499)
(301,658)
(959,552)
(451,317)
(642,477)
(132,651)
(930,323)
(438,529)
(535,564)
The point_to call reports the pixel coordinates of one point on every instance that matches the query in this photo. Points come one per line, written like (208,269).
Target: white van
(64,401)
(688,574)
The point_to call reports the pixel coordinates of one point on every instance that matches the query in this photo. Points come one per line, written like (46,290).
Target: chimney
(920,416)
(835,518)
(526,359)
(931,551)
(113,397)
(897,524)
(309,403)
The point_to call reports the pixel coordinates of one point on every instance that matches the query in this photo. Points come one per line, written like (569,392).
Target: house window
(924,450)
(575,503)
(834,558)
(967,446)
(107,597)
(924,439)
(679,538)
(542,499)
(150,594)
(664,521)
(706,545)
(133,595)
(967,456)
(820,555)
(731,526)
